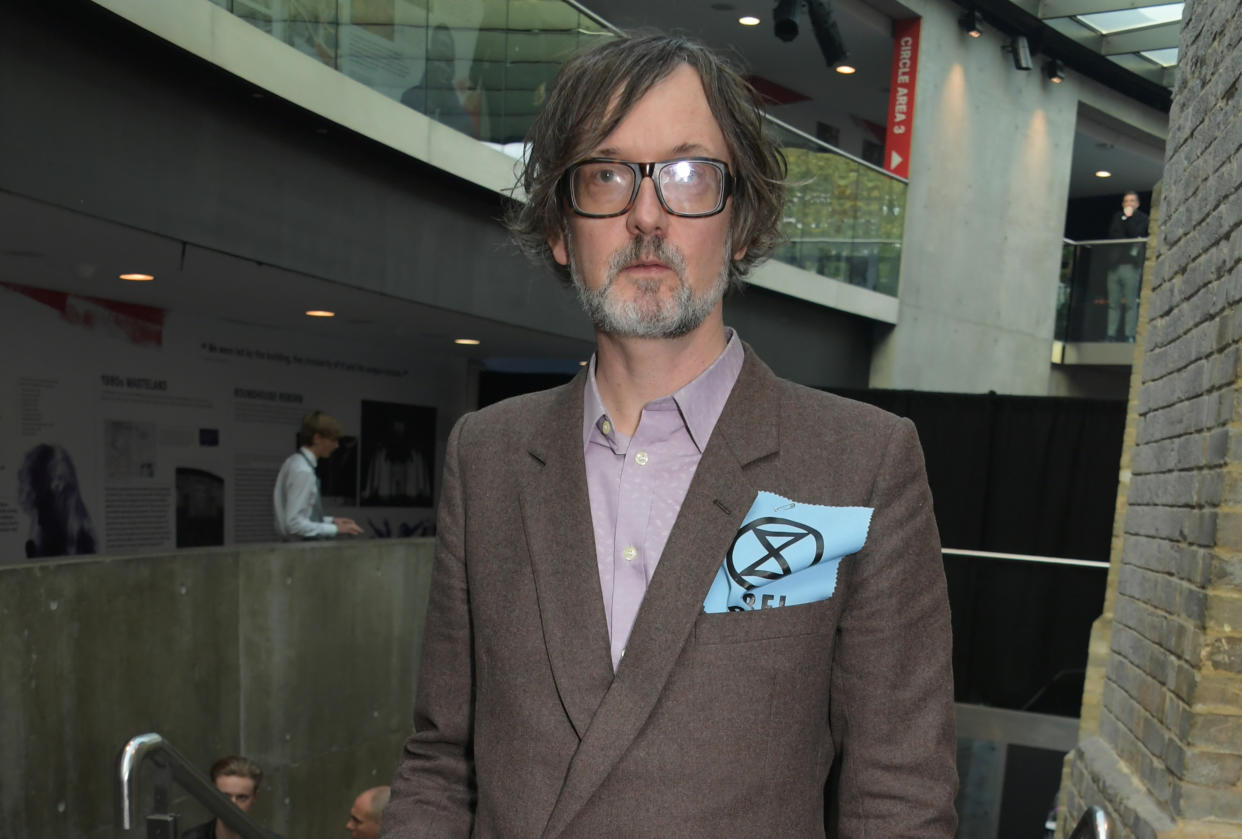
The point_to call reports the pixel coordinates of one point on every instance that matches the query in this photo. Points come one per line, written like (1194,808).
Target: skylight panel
(1165,58)
(1107,23)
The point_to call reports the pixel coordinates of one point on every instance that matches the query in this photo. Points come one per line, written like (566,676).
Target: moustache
(647,249)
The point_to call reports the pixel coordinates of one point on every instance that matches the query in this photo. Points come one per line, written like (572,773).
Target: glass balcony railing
(483,68)
(843,217)
(1097,298)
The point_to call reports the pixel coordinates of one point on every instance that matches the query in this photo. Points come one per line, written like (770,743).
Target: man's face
(324,446)
(240,790)
(648,273)
(360,824)
(1129,203)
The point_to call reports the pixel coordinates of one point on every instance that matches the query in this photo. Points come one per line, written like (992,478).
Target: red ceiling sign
(901,96)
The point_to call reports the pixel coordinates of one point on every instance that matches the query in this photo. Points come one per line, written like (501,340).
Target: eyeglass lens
(686,186)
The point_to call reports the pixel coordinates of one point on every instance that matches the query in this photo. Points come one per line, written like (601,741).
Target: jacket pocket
(756,625)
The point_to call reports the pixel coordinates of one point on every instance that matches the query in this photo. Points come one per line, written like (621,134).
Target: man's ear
(558,244)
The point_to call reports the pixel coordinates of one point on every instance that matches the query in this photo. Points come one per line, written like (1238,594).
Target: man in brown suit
(672,595)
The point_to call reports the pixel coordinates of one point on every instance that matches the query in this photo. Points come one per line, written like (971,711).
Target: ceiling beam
(1162,36)
(1141,66)
(1066,8)
(1012,19)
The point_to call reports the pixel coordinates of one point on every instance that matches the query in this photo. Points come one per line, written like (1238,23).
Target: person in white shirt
(296,499)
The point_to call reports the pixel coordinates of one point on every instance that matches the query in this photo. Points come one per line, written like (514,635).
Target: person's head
(1129,203)
(645,269)
(238,778)
(320,433)
(364,816)
(46,473)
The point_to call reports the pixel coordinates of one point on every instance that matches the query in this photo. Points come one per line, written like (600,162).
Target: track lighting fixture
(823,27)
(971,22)
(1020,51)
(785,19)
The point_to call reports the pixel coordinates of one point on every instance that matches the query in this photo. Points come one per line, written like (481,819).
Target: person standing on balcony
(1125,274)
(670,596)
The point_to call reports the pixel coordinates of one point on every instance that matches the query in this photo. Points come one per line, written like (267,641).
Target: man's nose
(647,216)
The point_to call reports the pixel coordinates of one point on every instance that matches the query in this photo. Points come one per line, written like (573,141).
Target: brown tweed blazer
(714,724)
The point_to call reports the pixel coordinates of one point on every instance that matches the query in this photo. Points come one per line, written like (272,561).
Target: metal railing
(170,765)
(1093,825)
(1037,559)
(1098,294)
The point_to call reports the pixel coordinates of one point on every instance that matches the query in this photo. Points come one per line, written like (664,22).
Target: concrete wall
(989,179)
(302,657)
(1165,759)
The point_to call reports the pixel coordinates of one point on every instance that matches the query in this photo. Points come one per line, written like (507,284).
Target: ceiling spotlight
(1020,50)
(467,342)
(137,278)
(1054,70)
(785,19)
(748,20)
(1103,173)
(846,69)
(320,313)
(971,22)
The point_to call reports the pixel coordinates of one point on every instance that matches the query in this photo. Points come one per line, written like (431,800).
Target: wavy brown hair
(593,92)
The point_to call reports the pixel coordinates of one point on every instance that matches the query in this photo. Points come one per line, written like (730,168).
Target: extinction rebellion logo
(758,554)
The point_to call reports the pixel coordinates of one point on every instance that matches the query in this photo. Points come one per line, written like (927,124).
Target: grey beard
(648,316)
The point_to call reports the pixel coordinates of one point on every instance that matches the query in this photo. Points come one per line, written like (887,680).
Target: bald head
(364,816)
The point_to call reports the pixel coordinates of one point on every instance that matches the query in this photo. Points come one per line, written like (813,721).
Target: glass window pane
(1110,22)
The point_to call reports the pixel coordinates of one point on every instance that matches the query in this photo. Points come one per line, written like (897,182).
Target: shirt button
(641,458)
(606,427)
(629,553)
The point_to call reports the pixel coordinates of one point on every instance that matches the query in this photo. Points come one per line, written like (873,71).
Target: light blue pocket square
(786,553)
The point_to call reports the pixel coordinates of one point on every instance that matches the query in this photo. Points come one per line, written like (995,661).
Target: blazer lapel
(724,486)
(556,514)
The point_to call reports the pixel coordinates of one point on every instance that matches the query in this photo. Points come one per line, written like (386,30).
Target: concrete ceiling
(50,247)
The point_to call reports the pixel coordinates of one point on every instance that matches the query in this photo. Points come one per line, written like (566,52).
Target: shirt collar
(701,401)
(309,455)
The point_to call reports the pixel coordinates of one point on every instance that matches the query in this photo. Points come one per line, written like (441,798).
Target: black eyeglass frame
(650,170)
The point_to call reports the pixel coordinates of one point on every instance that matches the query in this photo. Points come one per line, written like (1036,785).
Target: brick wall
(1165,756)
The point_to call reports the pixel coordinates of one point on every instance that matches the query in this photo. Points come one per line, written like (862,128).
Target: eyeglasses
(692,187)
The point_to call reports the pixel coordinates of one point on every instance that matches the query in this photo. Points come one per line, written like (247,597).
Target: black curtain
(1014,474)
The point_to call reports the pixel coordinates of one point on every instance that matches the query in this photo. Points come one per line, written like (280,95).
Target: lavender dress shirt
(636,484)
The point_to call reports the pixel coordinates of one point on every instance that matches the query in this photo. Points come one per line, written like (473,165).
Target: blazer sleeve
(892,707)
(433,793)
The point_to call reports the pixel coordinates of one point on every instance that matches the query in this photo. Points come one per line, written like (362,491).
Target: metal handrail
(1046,560)
(1131,241)
(171,765)
(1093,825)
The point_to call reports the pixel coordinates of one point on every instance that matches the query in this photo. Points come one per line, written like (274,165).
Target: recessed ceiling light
(748,20)
(846,69)
(1103,173)
(467,342)
(138,278)
(582,364)
(320,313)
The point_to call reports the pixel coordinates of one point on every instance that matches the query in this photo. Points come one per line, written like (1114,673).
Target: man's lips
(647,265)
